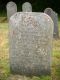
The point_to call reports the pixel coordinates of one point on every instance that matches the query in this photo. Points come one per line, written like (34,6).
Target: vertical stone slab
(11,9)
(30,43)
(56,30)
(27,7)
(54,17)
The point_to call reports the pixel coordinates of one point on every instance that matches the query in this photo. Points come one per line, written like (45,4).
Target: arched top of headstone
(11,9)
(48,11)
(27,7)
(11,4)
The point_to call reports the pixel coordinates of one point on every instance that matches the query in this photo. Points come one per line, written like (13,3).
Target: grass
(56,60)
(4,59)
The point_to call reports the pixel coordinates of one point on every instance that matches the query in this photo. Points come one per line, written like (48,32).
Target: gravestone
(26,7)
(11,9)
(54,17)
(30,43)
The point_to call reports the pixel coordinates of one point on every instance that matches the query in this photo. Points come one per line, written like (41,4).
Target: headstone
(26,7)
(30,43)
(11,9)
(54,17)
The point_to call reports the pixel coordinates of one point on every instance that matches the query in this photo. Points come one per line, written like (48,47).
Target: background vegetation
(38,5)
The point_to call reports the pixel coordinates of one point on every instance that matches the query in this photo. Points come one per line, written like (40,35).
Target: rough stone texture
(26,7)
(11,9)
(30,43)
(54,17)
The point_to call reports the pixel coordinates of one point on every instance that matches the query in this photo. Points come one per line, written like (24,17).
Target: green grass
(4,58)
(4,69)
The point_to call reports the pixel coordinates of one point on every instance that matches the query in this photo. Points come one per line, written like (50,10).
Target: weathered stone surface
(26,7)
(54,17)
(11,9)
(30,43)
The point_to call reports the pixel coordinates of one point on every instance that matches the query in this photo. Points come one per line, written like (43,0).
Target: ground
(5,73)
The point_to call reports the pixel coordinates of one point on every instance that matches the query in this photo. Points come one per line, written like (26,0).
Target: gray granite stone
(26,7)
(11,9)
(30,43)
(54,17)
